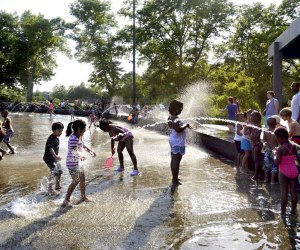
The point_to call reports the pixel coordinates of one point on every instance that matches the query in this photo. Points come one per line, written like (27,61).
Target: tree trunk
(29,87)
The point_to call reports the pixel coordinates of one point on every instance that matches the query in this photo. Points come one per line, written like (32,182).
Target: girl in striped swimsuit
(74,156)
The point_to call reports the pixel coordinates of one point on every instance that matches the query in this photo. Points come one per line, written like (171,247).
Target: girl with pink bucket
(125,139)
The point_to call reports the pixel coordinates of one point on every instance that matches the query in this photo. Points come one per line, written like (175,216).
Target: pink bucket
(109,162)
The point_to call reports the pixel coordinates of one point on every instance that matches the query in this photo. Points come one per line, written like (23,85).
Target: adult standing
(295,104)
(272,106)
(231,108)
(237,103)
(63,104)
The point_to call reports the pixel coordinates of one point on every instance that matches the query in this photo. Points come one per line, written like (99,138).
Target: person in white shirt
(295,104)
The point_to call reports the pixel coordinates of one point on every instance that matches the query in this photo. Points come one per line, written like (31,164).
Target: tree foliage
(174,36)
(10,61)
(96,43)
(28,46)
(255,29)
(176,40)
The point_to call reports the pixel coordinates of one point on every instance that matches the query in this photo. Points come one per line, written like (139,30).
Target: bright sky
(71,72)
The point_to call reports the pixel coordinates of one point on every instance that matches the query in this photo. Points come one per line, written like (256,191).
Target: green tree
(96,44)
(255,29)
(228,80)
(59,91)
(174,36)
(10,58)
(41,39)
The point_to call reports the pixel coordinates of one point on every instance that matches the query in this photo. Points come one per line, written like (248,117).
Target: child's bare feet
(66,204)
(85,199)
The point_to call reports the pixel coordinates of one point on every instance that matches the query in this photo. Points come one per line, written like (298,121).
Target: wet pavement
(214,208)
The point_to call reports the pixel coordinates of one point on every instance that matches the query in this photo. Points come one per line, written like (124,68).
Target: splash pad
(214,207)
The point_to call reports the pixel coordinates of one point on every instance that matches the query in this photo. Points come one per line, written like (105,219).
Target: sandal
(134,172)
(120,169)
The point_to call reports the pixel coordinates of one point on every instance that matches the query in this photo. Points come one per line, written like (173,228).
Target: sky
(70,71)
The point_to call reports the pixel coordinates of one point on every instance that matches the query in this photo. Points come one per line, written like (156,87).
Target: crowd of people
(271,150)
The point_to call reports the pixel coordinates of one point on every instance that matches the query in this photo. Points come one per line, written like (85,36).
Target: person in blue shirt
(232,110)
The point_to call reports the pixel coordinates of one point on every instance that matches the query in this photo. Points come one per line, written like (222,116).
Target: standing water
(213,209)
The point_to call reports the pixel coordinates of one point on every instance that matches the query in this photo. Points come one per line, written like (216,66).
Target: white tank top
(236,136)
(177,139)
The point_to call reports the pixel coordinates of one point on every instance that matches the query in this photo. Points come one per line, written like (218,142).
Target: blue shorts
(245,144)
(6,138)
(178,150)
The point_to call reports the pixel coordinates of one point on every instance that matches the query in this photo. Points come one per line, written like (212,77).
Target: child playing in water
(51,108)
(238,136)
(270,142)
(7,125)
(92,118)
(51,157)
(288,173)
(246,145)
(75,147)
(71,111)
(293,126)
(125,139)
(176,139)
(256,143)
(2,134)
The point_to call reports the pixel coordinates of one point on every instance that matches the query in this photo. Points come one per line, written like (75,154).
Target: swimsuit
(296,139)
(126,134)
(287,165)
(269,165)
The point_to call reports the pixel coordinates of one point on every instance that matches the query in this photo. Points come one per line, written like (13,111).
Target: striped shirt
(75,145)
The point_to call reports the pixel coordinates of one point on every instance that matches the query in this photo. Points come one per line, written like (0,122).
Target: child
(2,134)
(116,108)
(7,125)
(51,108)
(293,126)
(71,110)
(134,114)
(176,139)
(270,142)
(240,117)
(75,147)
(288,173)
(278,119)
(246,145)
(125,139)
(51,157)
(92,118)
(256,143)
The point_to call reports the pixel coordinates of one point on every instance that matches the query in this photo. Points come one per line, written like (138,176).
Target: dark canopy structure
(286,46)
